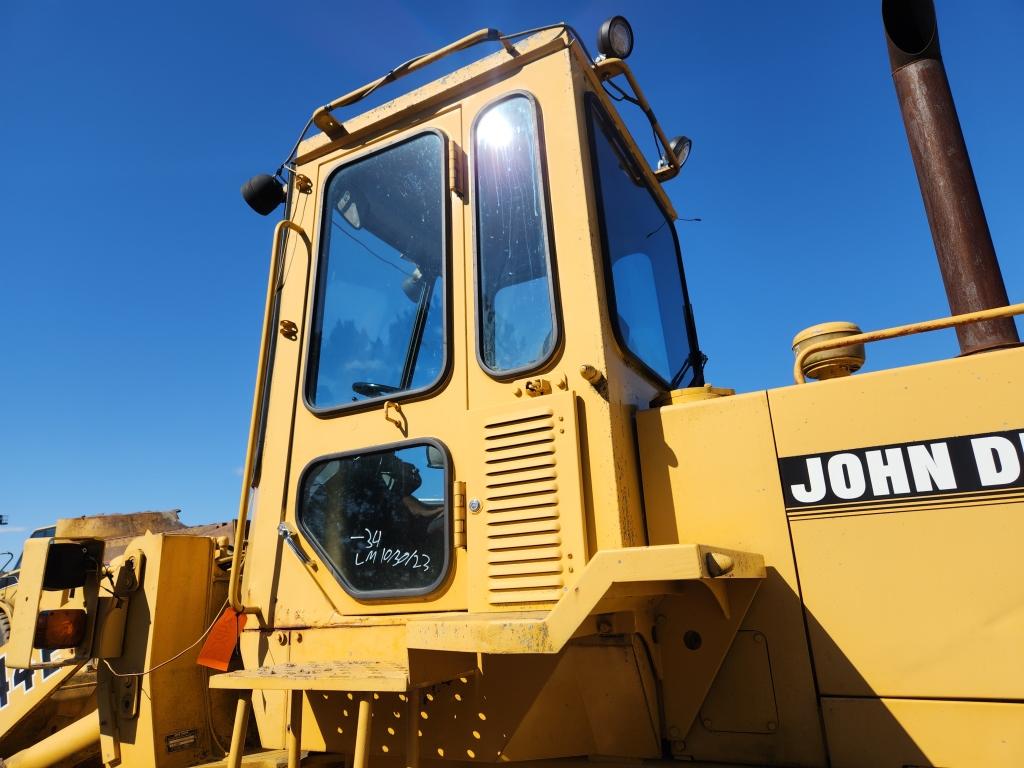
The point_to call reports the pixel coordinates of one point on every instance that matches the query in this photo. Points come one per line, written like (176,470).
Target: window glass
(379,327)
(648,291)
(517,317)
(379,519)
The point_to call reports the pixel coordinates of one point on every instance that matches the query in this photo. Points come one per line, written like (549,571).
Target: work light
(615,38)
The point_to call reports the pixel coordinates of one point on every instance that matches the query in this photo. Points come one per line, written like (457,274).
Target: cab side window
(649,305)
(516,320)
(379,519)
(378,327)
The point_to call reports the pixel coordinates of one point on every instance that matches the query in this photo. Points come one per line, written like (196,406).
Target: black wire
(624,96)
(657,144)
(370,250)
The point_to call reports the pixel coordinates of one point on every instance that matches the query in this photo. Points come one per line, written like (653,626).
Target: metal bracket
(459,514)
(456,170)
(127,697)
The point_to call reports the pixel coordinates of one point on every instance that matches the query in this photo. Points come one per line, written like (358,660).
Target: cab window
(648,303)
(378,326)
(379,519)
(515,303)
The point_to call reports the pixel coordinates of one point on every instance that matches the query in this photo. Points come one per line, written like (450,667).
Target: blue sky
(134,274)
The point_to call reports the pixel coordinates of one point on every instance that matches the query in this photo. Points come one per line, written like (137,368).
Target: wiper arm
(687,365)
(418,328)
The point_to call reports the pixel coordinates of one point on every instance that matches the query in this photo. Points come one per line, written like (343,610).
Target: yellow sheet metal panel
(18,650)
(960,396)
(907,733)
(160,719)
(710,474)
(619,573)
(691,638)
(525,526)
(579,712)
(909,562)
(747,666)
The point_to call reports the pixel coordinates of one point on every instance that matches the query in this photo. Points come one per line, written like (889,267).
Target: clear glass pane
(647,278)
(379,325)
(517,318)
(379,518)
(638,316)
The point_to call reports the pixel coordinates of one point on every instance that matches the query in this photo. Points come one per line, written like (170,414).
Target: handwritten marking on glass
(373,552)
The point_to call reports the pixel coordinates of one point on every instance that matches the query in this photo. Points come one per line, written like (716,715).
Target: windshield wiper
(418,328)
(687,365)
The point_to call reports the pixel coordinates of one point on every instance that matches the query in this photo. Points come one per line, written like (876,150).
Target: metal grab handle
(287,533)
(276,263)
(901,330)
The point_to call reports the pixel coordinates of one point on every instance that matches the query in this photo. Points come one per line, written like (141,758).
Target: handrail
(273,286)
(322,117)
(900,330)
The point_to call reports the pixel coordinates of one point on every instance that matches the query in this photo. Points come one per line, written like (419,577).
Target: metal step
(361,675)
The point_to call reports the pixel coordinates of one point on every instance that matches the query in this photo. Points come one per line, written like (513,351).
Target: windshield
(649,305)
(378,326)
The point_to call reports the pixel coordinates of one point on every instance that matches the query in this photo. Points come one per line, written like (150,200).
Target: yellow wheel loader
(493,513)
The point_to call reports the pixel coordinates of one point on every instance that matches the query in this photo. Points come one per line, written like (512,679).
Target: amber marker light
(64,628)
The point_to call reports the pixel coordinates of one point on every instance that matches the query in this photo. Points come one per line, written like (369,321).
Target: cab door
(381,389)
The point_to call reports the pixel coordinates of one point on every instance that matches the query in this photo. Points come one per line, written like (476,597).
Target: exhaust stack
(963,243)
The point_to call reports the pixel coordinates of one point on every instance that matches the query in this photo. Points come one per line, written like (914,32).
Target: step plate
(319,676)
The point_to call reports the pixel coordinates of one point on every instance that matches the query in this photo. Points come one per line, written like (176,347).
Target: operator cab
(477,276)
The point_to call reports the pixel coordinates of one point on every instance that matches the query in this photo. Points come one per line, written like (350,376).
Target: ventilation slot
(524,542)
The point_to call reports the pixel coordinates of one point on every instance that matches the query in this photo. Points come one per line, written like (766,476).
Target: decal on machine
(13,679)
(952,471)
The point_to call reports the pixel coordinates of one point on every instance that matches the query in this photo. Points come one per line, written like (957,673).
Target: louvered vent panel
(524,531)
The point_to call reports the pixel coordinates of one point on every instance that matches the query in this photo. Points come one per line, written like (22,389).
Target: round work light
(615,38)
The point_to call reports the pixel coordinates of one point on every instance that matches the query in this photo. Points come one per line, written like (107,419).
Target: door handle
(286,532)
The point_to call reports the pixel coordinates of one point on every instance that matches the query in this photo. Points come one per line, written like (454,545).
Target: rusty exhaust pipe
(963,242)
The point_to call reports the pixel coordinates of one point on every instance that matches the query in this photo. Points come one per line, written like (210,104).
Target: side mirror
(263,193)
(435,458)
(681,146)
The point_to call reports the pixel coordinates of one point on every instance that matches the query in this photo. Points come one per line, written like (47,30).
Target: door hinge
(459,514)
(456,169)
